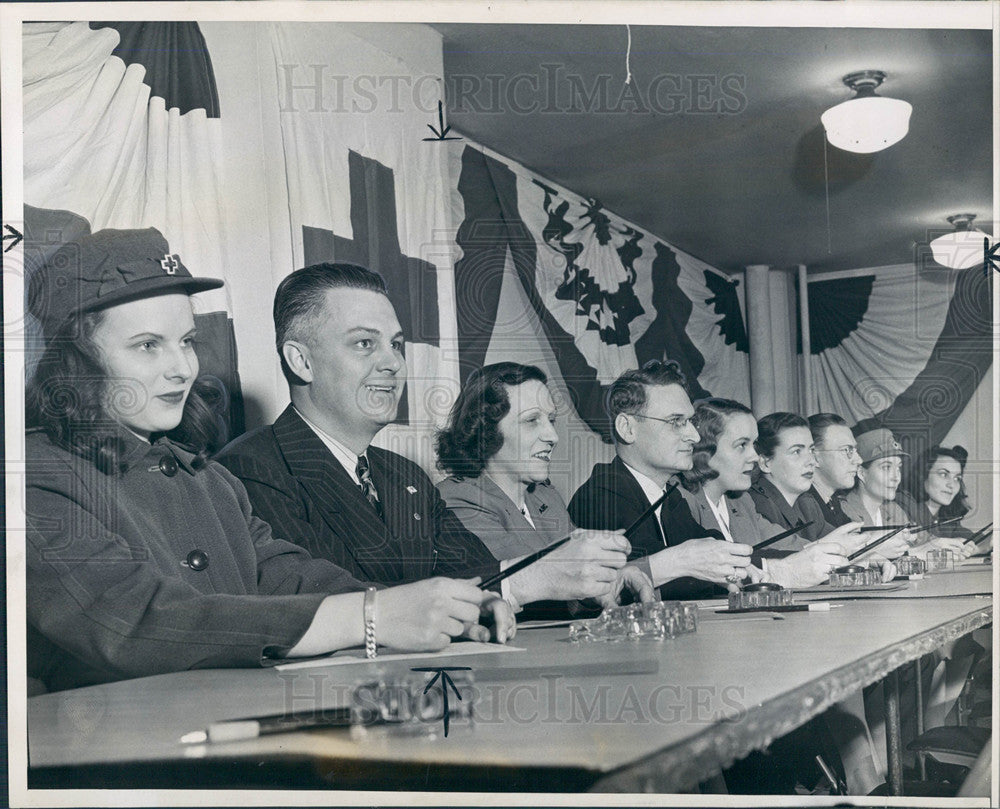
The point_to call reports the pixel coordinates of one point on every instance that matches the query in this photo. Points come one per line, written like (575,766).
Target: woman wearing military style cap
(143,556)
(872,501)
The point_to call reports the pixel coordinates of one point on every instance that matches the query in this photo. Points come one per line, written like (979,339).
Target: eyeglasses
(848,451)
(678,423)
(944,476)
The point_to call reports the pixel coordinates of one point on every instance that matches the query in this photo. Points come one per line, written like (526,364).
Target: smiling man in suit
(314,476)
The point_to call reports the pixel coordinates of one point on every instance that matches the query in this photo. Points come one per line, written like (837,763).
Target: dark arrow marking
(15,235)
(446,681)
(443,130)
(990,256)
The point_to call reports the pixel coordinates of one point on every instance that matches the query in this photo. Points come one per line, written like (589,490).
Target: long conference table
(633,716)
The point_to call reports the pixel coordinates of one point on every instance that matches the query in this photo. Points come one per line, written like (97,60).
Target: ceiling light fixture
(963,247)
(867,123)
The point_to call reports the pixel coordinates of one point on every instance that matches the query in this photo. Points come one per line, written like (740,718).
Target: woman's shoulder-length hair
(472,435)
(709,420)
(65,398)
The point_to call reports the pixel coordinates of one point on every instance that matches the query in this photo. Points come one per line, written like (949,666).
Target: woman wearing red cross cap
(872,501)
(143,556)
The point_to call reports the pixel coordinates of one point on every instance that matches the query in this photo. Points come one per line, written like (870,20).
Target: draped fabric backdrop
(322,156)
(904,347)
(121,130)
(608,296)
(364,187)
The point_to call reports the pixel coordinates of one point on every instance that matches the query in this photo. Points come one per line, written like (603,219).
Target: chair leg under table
(893,740)
(921,760)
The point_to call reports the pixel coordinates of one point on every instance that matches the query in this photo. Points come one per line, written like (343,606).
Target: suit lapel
(550,522)
(408,507)
(635,503)
(706,517)
(345,510)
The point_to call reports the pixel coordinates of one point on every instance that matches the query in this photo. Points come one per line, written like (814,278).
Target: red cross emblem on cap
(170,263)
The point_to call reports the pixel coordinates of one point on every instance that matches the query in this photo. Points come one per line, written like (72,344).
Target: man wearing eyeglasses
(837,463)
(650,415)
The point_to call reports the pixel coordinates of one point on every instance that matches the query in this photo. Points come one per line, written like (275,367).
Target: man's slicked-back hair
(300,296)
(627,393)
(819,422)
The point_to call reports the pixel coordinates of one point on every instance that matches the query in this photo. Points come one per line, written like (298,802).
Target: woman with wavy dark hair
(497,450)
(142,555)
(937,489)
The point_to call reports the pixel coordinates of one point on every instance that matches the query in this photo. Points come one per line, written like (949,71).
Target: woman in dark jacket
(937,492)
(142,556)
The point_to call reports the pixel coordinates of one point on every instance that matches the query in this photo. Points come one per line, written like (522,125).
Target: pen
(930,525)
(238,729)
(527,560)
(815,606)
(864,529)
(652,507)
(782,535)
(873,545)
(981,534)
(916,529)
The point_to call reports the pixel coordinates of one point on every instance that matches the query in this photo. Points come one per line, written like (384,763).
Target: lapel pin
(411,489)
(416,516)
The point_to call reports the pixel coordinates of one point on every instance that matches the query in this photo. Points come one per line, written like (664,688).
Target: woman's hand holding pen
(808,567)
(426,615)
(585,567)
(713,560)
(848,538)
(956,545)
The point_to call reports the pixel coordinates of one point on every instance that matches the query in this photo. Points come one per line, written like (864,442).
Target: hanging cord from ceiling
(826,183)
(628,56)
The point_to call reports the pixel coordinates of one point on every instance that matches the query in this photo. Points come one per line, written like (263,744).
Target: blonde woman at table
(143,556)
(497,450)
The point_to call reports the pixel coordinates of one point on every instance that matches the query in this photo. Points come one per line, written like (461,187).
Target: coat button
(197,560)
(168,465)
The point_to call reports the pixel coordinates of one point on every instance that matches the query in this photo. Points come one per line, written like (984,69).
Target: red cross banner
(364,187)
